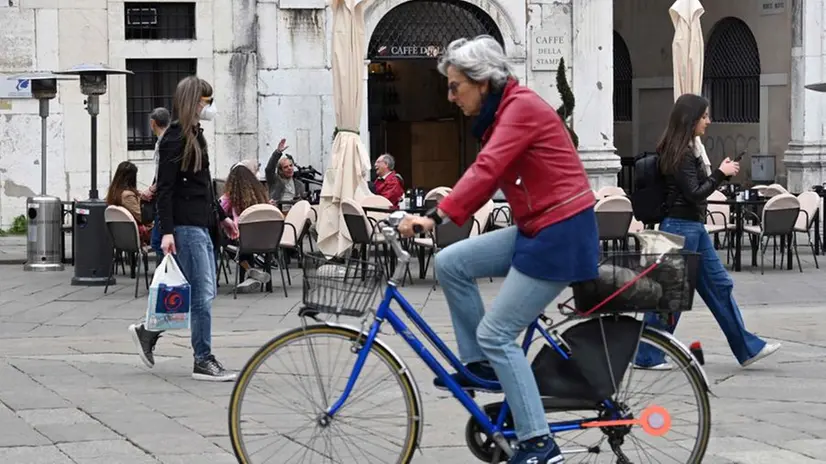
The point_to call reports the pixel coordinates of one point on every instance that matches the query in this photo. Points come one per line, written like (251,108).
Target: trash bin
(91,245)
(43,242)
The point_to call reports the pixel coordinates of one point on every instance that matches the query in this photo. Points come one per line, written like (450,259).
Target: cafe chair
(437,193)
(443,235)
(779,219)
(123,231)
(614,217)
(501,216)
(482,219)
(773,190)
(809,209)
(610,191)
(375,217)
(296,227)
(260,230)
(364,234)
(718,221)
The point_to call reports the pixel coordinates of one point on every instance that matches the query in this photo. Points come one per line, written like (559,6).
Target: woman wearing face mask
(188,209)
(690,180)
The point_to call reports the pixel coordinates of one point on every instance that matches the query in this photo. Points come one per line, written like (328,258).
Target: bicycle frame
(384,313)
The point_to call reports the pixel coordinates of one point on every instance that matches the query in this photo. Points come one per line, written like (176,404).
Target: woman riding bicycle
(528,154)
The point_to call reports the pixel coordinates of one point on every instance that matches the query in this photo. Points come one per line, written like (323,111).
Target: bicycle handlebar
(390,231)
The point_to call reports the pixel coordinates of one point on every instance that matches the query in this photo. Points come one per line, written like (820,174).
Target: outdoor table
(737,211)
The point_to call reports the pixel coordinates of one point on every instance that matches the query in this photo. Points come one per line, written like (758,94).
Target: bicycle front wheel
(277,411)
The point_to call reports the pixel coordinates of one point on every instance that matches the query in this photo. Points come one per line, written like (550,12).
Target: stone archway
(511,36)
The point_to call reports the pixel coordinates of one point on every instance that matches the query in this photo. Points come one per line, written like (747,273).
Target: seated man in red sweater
(388,184)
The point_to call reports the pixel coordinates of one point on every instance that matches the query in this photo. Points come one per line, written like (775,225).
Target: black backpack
(649,200)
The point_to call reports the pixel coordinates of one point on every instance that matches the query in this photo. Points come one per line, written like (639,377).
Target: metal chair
(614,216)
(123,230)
(809,209)
(260,228)
(297,224)
(779,218)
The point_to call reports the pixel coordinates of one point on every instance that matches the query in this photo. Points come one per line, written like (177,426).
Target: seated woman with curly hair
(123,191)
(242,190)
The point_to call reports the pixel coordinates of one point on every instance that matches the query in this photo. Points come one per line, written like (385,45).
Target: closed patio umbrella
(346,176)
(687,54)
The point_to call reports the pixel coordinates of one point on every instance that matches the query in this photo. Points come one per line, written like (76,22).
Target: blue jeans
(492,336)
(715,287)
(197,260)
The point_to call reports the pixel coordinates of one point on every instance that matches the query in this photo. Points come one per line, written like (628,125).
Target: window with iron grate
(731,79)
(623,76)
(424,28)
(152,86)
(159,21)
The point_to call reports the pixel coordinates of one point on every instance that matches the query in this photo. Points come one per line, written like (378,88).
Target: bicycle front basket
(337,286)
(667,287)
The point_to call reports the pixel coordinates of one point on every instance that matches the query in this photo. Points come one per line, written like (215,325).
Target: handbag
(170,298)
(147,212)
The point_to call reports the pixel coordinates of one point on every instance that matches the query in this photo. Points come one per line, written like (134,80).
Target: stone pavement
(13,249)
(72,390)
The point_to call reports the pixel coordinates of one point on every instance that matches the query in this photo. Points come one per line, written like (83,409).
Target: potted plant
(566,111)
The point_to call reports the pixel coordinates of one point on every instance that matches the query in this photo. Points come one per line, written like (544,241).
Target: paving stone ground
(72,390)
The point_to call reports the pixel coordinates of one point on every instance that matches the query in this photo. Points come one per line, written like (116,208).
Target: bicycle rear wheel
(679,397)
(278,407)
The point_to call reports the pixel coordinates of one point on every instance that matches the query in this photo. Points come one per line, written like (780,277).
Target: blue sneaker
(539,450)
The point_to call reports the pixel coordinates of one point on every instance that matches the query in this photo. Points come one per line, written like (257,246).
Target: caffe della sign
(547,47)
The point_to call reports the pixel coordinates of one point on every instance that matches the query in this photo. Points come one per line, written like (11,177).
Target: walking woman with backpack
(689,181)
(188,211)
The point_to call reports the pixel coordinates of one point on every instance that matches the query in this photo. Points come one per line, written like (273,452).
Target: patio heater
(44,213)
(92,245)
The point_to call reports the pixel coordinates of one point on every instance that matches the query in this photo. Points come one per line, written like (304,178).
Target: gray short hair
(161,117)
(480,59)
(388,158)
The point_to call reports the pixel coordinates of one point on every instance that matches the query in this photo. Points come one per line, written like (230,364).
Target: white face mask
(209,112)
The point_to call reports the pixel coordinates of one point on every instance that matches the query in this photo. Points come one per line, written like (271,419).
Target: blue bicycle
(327,392)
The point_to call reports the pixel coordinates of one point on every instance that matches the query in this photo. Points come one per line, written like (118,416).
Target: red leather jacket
(528,153)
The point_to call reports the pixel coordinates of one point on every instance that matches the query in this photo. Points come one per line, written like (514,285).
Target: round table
(737,208)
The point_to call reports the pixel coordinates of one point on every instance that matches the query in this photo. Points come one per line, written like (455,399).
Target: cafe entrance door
(408,112)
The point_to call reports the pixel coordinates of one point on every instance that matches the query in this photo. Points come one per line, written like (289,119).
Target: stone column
(235,81)
(593,86)
(805,159)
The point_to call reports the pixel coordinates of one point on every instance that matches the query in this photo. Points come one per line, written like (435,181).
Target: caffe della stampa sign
(429,51)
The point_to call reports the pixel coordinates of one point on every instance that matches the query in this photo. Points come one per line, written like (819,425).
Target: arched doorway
(408,112)
(731,79)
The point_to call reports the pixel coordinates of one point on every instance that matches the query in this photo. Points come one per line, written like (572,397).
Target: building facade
(269,62)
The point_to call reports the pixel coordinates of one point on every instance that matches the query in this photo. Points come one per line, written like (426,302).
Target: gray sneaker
(145,341)
(249,285)
(212,371)
(259,275)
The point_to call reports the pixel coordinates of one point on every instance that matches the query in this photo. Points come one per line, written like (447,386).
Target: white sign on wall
(15,88)
(768,7)
(548,46)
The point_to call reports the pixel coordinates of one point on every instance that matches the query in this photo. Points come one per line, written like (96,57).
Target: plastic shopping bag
(169,298)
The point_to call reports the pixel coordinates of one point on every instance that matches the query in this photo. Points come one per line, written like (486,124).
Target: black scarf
(487,114)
